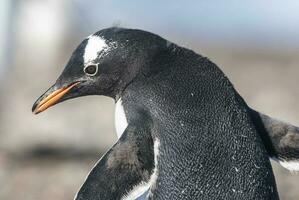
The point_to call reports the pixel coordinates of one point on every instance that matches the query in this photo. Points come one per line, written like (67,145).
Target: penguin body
(215,151)
(184,132)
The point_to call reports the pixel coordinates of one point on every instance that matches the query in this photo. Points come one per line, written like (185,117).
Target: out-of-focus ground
(48,156)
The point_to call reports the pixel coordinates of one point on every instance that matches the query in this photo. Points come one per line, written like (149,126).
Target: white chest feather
(121,122)
(290,165)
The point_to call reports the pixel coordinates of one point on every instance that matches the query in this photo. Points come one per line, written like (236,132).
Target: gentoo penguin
(184,131)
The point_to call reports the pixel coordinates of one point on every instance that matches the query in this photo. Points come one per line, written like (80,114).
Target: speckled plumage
(211,144)
(210,148)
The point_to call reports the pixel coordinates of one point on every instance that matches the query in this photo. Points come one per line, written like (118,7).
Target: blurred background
(47,156)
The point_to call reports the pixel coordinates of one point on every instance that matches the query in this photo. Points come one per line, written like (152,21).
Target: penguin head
(103,64)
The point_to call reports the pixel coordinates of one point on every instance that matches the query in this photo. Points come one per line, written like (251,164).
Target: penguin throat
(121,122)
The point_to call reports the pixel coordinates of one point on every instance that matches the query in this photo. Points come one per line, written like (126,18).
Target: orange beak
(52,99)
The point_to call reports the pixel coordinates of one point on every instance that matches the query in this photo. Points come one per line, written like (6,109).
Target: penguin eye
(91,70)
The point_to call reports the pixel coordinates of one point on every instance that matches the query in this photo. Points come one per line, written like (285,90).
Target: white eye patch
(95,45)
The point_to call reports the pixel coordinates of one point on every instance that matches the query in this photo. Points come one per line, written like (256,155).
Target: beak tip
(50,98)
(33,109)
(35,112)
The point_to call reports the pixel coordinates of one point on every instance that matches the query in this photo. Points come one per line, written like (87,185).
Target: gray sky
(260,24)
(267,21)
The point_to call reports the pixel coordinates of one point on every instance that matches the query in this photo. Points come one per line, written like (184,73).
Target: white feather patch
(95,45)
(137,191)
(121,122)
(290,165)
(154,176)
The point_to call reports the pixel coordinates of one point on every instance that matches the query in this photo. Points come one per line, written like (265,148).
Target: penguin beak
(51,97)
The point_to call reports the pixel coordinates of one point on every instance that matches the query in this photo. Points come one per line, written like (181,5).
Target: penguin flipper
(280,138)
(121,172)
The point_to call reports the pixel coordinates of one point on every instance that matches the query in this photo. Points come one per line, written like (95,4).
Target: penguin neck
(121,121)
